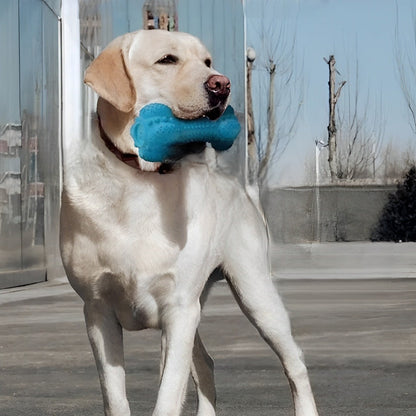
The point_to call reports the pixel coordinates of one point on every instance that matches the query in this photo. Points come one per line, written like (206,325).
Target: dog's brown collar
(129,159)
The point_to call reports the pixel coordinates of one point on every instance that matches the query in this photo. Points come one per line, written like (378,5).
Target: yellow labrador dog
(139,240)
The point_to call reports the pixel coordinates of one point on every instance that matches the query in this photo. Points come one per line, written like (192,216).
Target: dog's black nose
(218,85)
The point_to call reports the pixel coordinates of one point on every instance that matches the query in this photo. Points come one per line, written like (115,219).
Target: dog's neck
(130,159)
(114,128)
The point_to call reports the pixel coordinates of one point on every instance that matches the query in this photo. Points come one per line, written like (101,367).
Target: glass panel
(50,142)
(54,5)
(31,101)
(10,139)
(30,172)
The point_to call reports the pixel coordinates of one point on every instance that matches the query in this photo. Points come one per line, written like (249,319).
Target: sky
(355,31)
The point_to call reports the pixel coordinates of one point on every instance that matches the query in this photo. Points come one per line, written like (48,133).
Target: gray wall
(347,213)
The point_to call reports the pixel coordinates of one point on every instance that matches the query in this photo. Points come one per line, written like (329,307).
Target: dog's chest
(134,244)
(127,227)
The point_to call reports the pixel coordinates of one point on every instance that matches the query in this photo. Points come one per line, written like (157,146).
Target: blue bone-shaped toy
(157,133)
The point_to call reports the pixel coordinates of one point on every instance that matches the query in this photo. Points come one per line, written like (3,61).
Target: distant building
(160,14)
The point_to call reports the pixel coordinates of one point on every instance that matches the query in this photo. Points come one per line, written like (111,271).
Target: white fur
(138,246)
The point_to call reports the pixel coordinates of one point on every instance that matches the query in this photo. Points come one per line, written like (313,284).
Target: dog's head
(159,66)
(148,66)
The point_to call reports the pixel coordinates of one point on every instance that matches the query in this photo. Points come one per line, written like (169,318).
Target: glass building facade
(30,140)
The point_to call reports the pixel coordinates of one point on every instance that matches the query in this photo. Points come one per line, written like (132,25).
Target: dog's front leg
(106,338)
(202,370)
(179,328)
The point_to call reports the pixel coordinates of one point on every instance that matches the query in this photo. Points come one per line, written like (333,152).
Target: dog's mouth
(215,113)
(212,113)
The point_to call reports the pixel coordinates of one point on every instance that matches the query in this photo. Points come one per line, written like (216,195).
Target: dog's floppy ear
(109,77)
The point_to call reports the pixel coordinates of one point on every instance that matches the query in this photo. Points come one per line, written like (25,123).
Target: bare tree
(355,134)
(395,163)
(406,66)
(279,88)
(361,134)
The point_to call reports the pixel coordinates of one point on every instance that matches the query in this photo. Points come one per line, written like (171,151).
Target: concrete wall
(347,213)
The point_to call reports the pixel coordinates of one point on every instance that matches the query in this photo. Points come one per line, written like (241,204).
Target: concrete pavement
(359,339)
(352,260)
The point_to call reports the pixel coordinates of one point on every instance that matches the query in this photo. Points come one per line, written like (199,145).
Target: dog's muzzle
(218,88)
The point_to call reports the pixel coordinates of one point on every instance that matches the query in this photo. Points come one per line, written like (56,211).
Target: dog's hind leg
(106,338)
(202,370)
(246,262)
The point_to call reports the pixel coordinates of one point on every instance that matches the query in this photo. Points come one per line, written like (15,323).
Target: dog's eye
(168,60)
(208,63)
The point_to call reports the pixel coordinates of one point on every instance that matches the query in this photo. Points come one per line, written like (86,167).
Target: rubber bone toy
(157,133)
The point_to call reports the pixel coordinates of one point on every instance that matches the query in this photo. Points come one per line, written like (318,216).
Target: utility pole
(253,164)
(332,129)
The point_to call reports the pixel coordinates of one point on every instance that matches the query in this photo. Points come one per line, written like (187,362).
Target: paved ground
(352,260)
(359,339)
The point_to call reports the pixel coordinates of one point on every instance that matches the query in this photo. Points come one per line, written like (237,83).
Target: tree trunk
(332,129)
